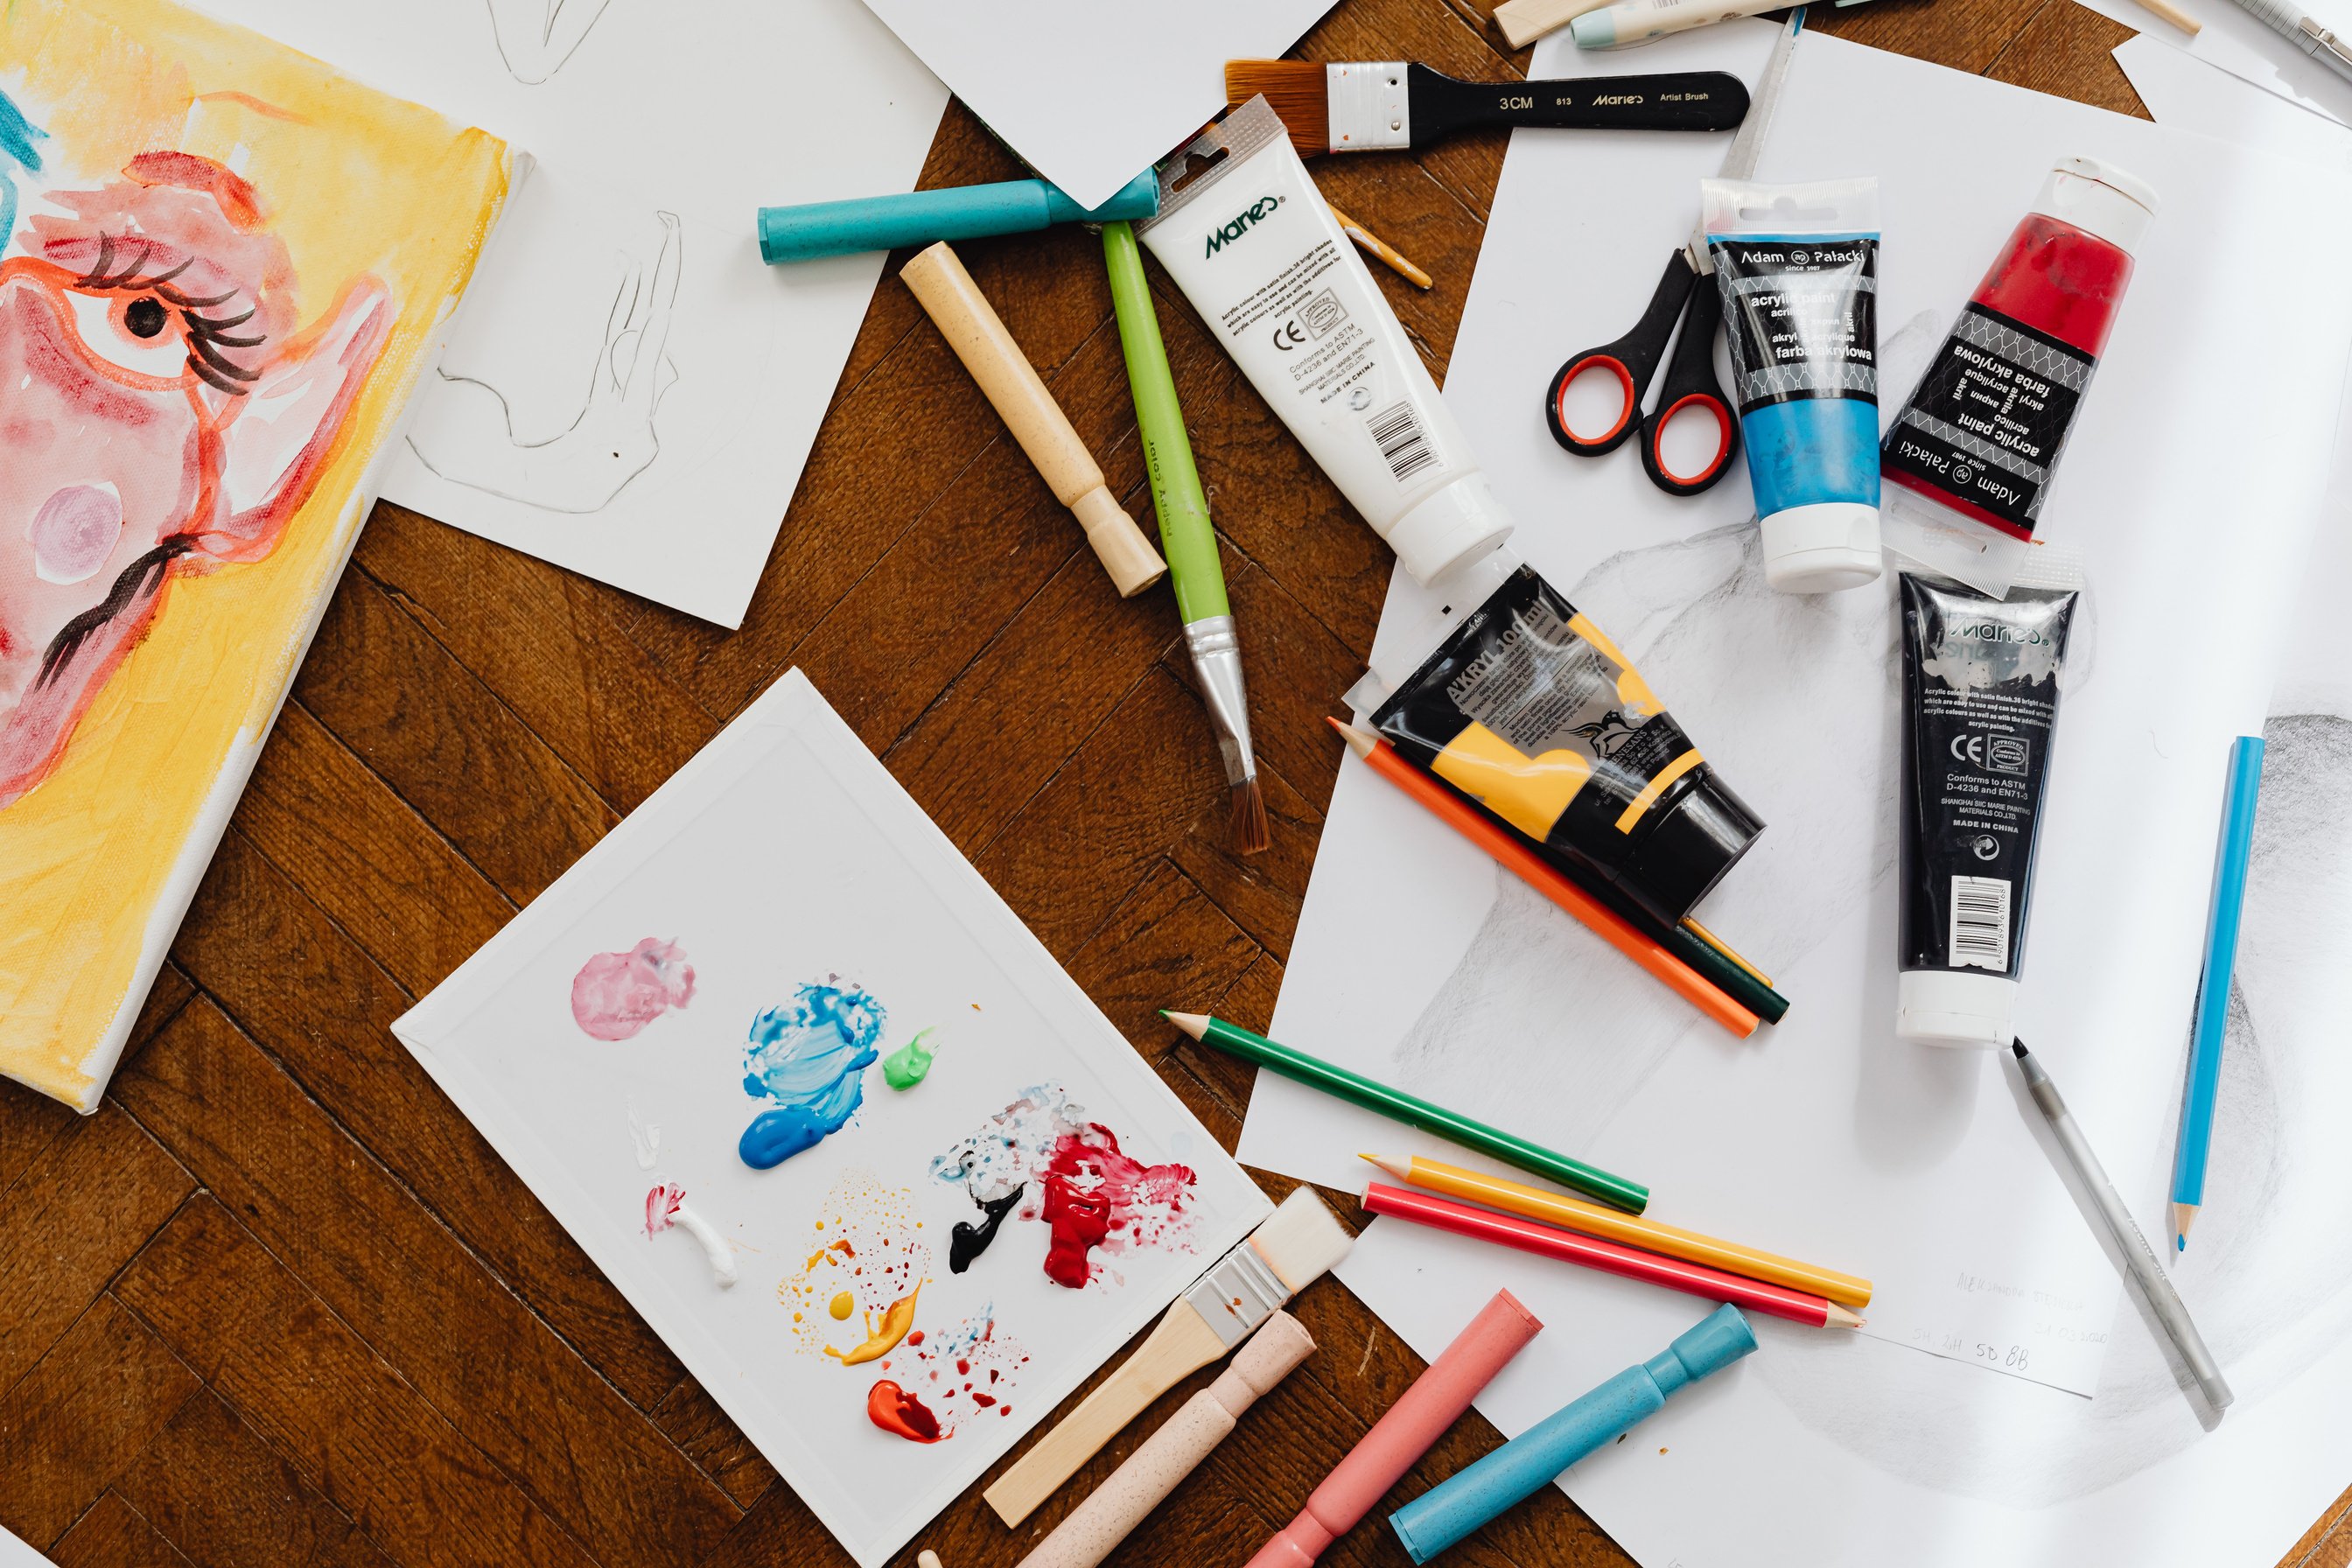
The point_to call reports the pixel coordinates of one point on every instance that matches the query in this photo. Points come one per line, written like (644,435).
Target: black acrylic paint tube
(1528,710)
(1981,684)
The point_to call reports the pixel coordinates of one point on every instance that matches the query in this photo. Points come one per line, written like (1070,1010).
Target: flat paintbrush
(1295,1247)
(1365,106)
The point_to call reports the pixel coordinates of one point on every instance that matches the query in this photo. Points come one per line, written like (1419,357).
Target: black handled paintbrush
(1365,106)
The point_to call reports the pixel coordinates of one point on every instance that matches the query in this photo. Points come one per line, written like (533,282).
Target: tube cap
(1822,548)
(1459,522)
(1953,1007)
(1687,850)
(2099,198)
(1717,1340)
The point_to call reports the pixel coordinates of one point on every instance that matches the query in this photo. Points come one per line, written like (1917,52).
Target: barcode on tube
(1980,923)
(1402,441)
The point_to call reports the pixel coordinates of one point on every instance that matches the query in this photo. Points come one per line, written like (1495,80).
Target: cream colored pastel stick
(1522,22)
(1115,1508)
(978,336)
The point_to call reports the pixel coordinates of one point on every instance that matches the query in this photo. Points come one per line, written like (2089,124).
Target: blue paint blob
(807,1057)
(18,137)
(1811,451)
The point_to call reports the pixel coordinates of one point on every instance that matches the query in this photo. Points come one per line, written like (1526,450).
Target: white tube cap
(1458,522)
(2099,198)
(1954,1008)
(1822,548)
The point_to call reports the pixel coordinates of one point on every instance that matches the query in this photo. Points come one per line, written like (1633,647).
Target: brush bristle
(1301,1240)
(1298,92)
(1250,834)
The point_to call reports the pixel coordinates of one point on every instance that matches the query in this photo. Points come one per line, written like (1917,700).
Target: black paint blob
(969,1240)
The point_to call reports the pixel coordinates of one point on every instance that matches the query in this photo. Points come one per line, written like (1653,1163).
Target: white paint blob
(74,531)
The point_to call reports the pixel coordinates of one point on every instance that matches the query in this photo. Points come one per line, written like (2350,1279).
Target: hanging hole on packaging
(1784,207)
(1196,165)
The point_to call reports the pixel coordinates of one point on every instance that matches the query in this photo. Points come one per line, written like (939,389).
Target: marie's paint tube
(1969,462)
(1527,709)
(1981,684)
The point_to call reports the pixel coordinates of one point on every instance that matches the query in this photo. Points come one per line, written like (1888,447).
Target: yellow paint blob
(882,1338)
(843,1305)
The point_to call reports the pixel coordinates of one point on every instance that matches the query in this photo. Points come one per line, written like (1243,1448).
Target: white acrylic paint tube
(1250,241)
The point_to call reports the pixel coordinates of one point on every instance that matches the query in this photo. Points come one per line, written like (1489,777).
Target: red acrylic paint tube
(1968,463)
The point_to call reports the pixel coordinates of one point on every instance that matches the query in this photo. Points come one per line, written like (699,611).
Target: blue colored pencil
(2213,988)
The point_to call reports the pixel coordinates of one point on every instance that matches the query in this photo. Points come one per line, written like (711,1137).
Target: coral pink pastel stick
(1434,1402)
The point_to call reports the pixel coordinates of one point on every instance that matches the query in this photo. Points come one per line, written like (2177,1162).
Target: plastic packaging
(1969,460)
(1797,267)
(1981,687)
(1248,238)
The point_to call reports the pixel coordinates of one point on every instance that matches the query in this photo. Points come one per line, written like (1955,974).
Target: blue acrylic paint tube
(1797,269)
(1529,1462)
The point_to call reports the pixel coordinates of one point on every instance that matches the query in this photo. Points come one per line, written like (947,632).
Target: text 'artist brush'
(1632,1230)
(1186,533)
(1370,106)
(1411,1109)
(1709,978)
(1631,1263)
(1295,1247)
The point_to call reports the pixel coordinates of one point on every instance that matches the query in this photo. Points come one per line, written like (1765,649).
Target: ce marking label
(1288,336)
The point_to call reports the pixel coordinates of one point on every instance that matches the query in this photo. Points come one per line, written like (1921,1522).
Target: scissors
(1684,296)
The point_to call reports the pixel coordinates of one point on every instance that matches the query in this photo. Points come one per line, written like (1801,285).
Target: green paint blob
(910,1064)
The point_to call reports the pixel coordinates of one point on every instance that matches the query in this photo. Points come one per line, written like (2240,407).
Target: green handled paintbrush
(1187,537)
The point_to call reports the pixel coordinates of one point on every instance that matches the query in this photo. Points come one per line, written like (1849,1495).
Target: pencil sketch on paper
(535,37)
(466,431)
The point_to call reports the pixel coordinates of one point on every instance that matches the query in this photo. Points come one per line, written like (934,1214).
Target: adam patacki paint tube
(1797,266)
(1980,687)
(1247,237)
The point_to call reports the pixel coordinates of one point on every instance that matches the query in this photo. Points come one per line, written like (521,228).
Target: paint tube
(1528,710)
(1980,685)
(1969,460)
(1797,266)
(1249,240)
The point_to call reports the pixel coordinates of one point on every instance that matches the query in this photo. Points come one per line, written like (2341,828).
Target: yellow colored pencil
(1632,1230)
(1382,248)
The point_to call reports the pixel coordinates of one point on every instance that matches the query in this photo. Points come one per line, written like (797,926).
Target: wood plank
(29,1122)
(87,1409)
(417,1297)
(212,1487)
(297,983)
(2071,56)
(1161,942)
(691,1418)
(80,1211)
(112,1535)
(369,1444)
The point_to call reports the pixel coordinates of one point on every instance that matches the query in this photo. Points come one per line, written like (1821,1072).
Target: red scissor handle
(1632,359)
(1653,433)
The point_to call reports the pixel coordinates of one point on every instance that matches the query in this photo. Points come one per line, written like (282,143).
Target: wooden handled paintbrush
(1366,106)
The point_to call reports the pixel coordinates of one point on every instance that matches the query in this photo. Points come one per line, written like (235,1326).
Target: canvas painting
(207,341)
(832,1120)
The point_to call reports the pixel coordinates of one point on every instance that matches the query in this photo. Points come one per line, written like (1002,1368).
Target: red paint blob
(894,1410)
(1091,1190)
(983,1400)
(962,1365)
(916,1337)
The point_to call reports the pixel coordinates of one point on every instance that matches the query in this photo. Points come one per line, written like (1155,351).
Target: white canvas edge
(212,818)
(791,705)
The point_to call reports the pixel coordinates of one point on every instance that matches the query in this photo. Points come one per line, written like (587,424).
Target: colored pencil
(1412,1111)
(1566,1246)
(1372,244)
(1574,1213)
(2223,917)
(1672,967)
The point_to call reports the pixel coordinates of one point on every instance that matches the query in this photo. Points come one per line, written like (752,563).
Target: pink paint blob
(1097,1197)
(617,993)
(662,1205)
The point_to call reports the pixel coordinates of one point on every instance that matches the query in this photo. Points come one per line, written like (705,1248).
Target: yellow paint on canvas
(95,860)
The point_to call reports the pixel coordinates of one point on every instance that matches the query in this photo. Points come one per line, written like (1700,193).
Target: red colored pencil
(1550,1241)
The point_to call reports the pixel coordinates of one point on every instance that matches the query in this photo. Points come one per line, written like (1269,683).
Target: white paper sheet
(629,392)
(1092,95)
(15,1554)
(2233,41)
(784,854)
(2186,94)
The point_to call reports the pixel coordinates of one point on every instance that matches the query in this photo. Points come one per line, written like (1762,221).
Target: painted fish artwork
(808,1056)
(616,994)
(206,343)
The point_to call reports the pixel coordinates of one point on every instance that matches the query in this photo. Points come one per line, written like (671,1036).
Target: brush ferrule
(1217,659)
(1370,105)
(1237,1295)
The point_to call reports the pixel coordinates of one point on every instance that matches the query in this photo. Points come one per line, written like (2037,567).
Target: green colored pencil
(1412,1111)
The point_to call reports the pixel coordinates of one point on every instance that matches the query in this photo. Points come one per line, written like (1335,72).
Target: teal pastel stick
(1528,1463)
(922,217)
(2221,922)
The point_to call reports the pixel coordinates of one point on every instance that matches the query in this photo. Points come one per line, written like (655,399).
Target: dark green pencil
(1412,1111)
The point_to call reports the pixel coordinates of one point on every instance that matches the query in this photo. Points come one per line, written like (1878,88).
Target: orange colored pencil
(1507,847)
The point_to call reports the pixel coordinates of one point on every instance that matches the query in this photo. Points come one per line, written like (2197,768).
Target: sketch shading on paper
(467,435)
(535,37)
